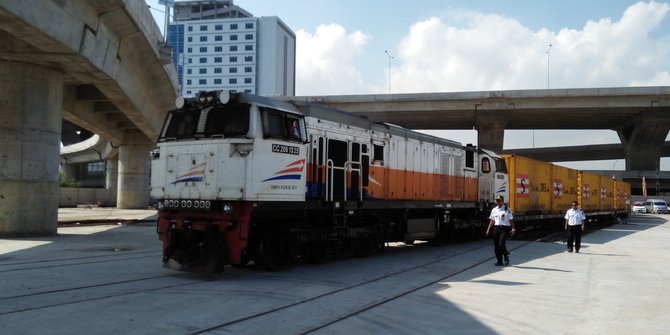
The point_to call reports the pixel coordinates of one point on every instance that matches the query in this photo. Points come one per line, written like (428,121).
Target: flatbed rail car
(242,178)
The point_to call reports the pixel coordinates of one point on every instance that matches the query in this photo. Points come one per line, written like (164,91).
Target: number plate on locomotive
(285,149)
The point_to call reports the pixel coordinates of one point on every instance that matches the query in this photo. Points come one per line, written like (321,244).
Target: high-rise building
(218,45)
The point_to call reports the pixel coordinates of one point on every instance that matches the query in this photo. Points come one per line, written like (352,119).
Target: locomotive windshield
(220,121)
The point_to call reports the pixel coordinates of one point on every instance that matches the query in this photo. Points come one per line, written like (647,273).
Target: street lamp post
(548,50)
(390,57)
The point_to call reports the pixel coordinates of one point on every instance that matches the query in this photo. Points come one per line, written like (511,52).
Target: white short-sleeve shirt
(575,217)
(501,216)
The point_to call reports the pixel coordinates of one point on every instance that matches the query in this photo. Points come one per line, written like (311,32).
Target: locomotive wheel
(363,247)
(316,252)
(244,259)
(269,253)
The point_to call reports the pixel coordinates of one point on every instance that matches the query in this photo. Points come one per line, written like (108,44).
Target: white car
(639,207)
(656,206)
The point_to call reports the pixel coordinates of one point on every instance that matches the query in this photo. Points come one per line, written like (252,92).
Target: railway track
(398,273)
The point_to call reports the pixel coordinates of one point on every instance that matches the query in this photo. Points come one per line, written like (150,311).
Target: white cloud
(325,61)
(472,51)
(491,52)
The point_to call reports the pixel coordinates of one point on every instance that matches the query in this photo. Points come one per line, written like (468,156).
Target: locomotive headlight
(227,208)
(155,154)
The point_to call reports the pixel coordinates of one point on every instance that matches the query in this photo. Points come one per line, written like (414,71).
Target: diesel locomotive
(241,178)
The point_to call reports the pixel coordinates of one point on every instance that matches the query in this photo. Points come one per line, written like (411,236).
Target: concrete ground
(108,280)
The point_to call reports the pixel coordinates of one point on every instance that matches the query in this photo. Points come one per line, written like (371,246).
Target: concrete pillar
(69,171)
(490,125)
(134,164)
(112,173)
(643,143)
(31,112)
(112,177)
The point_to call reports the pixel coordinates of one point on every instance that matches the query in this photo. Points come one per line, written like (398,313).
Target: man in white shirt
(574,224)
(502,224)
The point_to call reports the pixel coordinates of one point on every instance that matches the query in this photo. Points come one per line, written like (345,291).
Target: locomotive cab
(217,153)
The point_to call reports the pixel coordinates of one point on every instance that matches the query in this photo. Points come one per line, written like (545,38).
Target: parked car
(639,207)
(656,206)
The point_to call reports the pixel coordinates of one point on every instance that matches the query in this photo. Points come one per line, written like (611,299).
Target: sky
(382,46)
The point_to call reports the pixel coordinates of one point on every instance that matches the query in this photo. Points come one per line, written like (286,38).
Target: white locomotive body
(240,177)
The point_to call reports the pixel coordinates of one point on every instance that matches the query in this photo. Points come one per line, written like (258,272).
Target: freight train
(241,178)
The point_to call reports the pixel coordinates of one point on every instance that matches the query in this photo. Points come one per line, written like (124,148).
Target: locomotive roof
(267,102)
(337,115)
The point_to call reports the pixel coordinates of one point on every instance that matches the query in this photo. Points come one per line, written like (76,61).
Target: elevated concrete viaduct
(640,115)
(96,63)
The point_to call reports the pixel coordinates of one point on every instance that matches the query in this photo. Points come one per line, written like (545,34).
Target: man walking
(502,224)
(574,224)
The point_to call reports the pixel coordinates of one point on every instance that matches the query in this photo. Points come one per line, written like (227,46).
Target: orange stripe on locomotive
(393,184)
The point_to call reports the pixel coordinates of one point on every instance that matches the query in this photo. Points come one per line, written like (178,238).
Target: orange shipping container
(531,184)
(607,194)
(565,189)
(589,184)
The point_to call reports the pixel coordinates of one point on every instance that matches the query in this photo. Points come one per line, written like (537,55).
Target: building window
(218,38)
(190,39)
(189,71)
(218,49)
(233,37)
(203,49)
(218,59)
(203,28)
(247,80)
(96,167)
(188,82)
(202,81)
(249,37)
(248,58)
(203,38)
(218,70)
(248,69)
(232,81)
(190,28)
(249,26)
(189,50)
(218,27)
(217,81)
(190,60)
(233,48)
(249,47)
(233,26)
(203,60)
(232,70)
(232,59)
(203,71)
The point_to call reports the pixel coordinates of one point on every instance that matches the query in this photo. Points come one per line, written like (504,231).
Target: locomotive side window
(501,166)
(181,125)
(229,121)
(469,159)
(278,124)
(378,154)
(486,165)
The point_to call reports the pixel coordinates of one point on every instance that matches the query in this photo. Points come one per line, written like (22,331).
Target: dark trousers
(575,235)
(500,236)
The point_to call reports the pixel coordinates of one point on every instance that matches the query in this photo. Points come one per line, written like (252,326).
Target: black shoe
(506,259)
(498,264)
(570,250)
(577,251)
